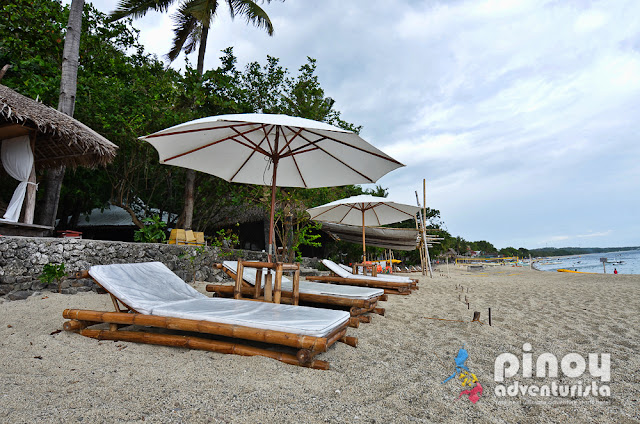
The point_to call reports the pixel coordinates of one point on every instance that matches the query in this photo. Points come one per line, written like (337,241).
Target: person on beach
(615,271)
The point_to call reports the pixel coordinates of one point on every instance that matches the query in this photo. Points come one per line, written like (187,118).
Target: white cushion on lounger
(151,288)
(303,320)
(143,286)
(309,287)
(340,271)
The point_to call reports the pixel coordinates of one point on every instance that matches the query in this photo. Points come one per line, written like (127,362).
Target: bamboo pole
(349,340)
(424,238)
(296,286)
(226,330)
(277,290)
(268,292)
(200,343)
(362,282)
(258,286)
(30,197)
(227,291)
(237,291)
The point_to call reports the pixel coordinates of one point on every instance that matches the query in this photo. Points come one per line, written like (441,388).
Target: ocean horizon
(625,262)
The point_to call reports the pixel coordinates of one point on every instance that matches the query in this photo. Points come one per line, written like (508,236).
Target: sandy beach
(394,375)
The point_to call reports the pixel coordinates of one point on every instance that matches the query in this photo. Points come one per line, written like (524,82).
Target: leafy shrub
(152,232)
(53,272)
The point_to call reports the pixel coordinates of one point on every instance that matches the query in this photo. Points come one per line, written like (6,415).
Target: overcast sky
(522,116)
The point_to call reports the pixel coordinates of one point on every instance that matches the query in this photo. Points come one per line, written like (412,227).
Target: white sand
(394,375)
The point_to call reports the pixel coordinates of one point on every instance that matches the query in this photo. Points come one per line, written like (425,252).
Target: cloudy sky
(522,116)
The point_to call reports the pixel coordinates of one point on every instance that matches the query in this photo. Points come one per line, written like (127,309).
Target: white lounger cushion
(340,271)
(143,286)
(302,320)
(151,288)
(309,287)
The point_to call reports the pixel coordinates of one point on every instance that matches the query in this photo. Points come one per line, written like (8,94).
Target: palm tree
(192,22)
(66,105)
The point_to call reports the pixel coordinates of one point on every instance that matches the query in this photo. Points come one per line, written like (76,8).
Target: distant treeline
(566,251)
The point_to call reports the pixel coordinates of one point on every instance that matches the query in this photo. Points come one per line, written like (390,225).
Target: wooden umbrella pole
(275,159)
(364,248)
(272,216)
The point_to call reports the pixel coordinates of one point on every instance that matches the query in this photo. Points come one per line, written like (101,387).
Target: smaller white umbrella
(365,211)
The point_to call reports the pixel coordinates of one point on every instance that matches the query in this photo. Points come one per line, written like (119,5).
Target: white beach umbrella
(272,150)
(364,211)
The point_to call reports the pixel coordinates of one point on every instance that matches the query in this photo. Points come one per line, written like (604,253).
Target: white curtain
(17,159)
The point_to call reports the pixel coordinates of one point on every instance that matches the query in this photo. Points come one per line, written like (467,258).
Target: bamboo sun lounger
(153,296)
(400,278)
(359,300)
(390,284)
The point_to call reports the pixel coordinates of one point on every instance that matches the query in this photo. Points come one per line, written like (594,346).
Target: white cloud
(521,115)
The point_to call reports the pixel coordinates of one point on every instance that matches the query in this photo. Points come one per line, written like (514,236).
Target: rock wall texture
(22,260)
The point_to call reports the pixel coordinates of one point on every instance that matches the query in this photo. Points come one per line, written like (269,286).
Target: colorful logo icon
(466,377)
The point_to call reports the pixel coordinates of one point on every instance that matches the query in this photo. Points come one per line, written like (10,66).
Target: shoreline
(394,375)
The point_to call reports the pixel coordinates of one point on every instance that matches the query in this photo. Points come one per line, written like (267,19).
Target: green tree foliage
(32,42)
(152,232)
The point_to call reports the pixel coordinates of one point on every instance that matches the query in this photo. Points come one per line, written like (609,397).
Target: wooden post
(424,238)
(30,198)
(296,286)
(268,293)
(237,289)
(489,316)
(476,316)
(258,287)
(277,289)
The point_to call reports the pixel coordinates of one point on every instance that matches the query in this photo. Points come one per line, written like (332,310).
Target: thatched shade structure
(60,139)
(54,138)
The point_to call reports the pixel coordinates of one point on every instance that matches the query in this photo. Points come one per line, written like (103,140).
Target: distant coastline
(570,251)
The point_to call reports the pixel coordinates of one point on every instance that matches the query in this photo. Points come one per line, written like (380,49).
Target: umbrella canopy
(388,238)
(364,211)
(275,150)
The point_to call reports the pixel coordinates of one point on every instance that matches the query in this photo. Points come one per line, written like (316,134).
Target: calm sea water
(625,262)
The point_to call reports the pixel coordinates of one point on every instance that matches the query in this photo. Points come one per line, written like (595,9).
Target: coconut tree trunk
(189,185)
(66,104)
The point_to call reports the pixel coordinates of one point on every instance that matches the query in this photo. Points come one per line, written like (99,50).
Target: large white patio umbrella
(272,150)
(365,211)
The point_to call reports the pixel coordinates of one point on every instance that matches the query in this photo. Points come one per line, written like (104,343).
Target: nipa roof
(60,139)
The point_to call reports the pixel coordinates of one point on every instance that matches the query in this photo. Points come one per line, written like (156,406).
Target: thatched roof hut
(52,139)
(60,139)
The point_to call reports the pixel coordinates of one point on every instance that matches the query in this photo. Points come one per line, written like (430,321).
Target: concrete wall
(22,260)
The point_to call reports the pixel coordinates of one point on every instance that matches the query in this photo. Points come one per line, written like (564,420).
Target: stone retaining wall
(22,260)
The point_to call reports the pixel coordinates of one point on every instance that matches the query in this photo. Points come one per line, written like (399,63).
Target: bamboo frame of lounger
(390,287)
(307,346)
(356,312)
(268,294)
(356,307)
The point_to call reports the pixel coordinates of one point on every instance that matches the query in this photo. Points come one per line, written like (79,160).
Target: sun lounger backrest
(346,268)
(143,286)
(336,269)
